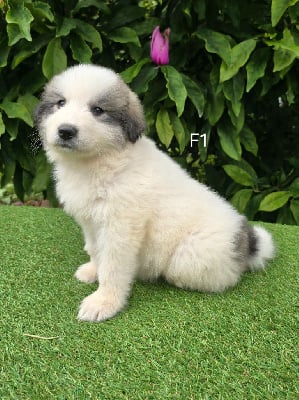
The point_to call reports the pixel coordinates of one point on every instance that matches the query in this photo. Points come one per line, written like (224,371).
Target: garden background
(232,78)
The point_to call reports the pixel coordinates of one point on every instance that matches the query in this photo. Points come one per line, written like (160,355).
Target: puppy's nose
(67,132)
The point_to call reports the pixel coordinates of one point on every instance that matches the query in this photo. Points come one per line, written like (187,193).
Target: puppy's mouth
(66,145)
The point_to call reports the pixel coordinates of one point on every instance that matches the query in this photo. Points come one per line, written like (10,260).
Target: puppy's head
(88,110)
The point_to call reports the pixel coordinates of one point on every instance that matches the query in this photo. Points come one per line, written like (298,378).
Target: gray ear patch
(133,121)
(46,106)
(133,124)
(124,106)
(42,110)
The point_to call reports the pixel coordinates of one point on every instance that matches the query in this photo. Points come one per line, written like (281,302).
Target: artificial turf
(167,344)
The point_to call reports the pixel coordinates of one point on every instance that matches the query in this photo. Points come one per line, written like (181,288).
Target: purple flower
(160,46)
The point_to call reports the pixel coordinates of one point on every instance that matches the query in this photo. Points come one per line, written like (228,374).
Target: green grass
(167,344)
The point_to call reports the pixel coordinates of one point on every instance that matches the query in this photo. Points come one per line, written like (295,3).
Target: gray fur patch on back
(245,242)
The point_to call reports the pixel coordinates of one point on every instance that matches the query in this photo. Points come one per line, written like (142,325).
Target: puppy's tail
(261,247)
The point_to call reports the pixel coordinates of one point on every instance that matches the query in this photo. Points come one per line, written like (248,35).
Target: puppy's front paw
(87,273)
(97,307)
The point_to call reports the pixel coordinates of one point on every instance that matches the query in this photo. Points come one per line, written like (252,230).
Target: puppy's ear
(37,114)
(132,119)
(43,109)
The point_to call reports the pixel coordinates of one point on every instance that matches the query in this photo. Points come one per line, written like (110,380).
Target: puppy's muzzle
(67,132)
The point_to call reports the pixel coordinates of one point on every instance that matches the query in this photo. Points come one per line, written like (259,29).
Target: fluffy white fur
(142,216)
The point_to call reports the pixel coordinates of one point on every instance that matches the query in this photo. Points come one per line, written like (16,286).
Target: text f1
(195,138)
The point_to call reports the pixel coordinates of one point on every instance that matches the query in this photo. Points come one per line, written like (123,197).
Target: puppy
(142,216)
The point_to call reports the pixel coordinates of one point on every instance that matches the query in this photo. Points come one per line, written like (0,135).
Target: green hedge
(232,80)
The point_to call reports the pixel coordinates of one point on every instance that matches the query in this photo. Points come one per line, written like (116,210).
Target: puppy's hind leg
(203,263)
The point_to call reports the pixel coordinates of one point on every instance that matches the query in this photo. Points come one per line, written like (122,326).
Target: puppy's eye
(96,110)
(60,103)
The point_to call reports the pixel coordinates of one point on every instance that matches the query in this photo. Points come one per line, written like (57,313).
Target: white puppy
(142,216)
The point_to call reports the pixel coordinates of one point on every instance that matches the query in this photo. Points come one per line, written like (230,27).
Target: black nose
(67,132)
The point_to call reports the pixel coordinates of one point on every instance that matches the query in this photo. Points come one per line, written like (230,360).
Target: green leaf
(295,210)
(42,174)
(4,51)
(200,9)
(28,50)
(143,79)
(274,201)
(65,26)
(14,34)
(17,110)
(248,140)
(2,126)
(239,175)
(42,10)
(164,128)
(233,90)
(293,13)
(89,34)
(256,67)
(179,131)
(18,182)
(130,73)
(124,35)
(195,94)
(282,59)
(9,165)
(54,60)
(248,168)
(285,216)
(24,157)
(12,127)
(29,101)
(156,95)
(229,140)
(20,16)
(80,50)
(27,180)
(291,91)
(278,8)
(239,56)
(176,88)
(215,107)
(99,4)
(237,121)
(288,42)
(124,15)
(253,205)
(216,42)
(294,187)
(241,198)
(147,25)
